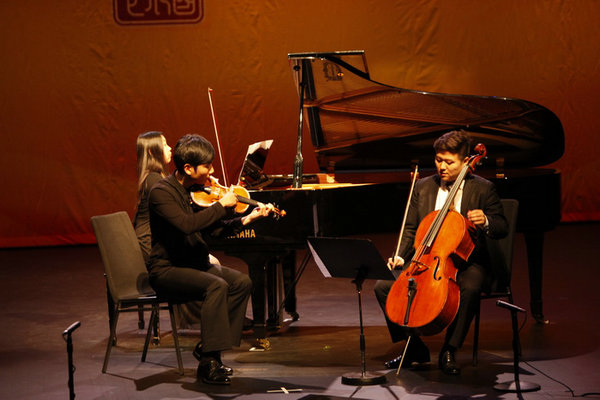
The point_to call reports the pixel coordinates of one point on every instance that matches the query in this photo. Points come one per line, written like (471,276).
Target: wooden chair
(127,278)
(501,255)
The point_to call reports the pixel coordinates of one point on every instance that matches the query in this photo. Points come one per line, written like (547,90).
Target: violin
(425,297)
(212,192)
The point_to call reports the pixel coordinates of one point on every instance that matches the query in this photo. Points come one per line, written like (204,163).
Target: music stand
(357,259)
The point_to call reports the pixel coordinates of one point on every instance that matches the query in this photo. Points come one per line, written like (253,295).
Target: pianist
(477,201)
(179,260)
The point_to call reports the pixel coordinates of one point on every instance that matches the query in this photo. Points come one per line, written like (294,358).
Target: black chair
(127,278)
(501,254)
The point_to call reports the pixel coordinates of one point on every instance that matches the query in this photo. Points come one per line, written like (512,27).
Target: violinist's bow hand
(395,263)
(265,209)
(260,211)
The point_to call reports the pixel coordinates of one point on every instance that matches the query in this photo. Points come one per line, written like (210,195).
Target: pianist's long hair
(150,157)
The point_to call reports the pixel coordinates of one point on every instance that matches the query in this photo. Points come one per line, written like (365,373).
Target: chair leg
(153,316)
(109,342)
(176,339)
(156,328)
(111,310)
(141,317)
(476,333)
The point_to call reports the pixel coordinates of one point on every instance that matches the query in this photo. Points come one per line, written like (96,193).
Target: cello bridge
(418,268)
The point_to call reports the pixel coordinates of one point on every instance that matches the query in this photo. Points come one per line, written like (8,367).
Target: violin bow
(212,111)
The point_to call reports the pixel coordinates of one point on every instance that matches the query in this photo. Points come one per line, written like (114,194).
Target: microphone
(509,306)
(71,328)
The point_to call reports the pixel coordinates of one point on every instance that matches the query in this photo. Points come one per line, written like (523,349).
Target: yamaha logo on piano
(245,234)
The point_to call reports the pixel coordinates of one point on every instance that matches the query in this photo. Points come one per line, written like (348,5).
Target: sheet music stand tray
(357,259)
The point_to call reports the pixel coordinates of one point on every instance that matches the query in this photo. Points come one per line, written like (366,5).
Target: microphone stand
(299,160)
(516,385)
(67,337)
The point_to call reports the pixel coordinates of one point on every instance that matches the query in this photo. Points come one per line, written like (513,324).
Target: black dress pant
(224,292)
(470,281)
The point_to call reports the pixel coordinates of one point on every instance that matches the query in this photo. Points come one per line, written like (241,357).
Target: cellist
(477,201)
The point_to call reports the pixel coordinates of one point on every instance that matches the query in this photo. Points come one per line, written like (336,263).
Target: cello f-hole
(437,269)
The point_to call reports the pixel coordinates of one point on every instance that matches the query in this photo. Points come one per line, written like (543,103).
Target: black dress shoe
(227,370)
(417,352)
(197,353)
(210,371)
(448,364)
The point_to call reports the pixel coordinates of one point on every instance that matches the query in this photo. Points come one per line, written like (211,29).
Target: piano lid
(356,123)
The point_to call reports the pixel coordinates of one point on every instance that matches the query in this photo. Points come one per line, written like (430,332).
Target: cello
(425,296)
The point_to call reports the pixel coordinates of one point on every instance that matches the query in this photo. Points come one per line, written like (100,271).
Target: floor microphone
(71,328)
(509,306)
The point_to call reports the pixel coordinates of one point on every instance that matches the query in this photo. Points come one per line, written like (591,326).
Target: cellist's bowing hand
(260,211)
(395,263)
(477,217)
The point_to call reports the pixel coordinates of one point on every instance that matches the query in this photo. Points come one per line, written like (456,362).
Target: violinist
(153,159)
(179,260)
(478,202)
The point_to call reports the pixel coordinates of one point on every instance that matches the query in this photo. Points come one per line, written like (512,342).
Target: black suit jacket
(178,229)
(478,193)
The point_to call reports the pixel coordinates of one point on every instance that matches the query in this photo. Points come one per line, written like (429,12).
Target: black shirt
(178,226)
(141,221)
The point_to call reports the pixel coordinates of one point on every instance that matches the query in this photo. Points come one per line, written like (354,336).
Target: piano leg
(534,241)
(273,320)
(262,271)
(258,272)
(287,265)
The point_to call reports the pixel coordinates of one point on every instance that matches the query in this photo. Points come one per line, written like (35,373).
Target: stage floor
(44,290)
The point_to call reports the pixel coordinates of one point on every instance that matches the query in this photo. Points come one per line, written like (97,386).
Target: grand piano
(367,136)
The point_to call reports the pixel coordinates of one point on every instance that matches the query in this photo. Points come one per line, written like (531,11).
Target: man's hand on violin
(260,211)
(477,217)
(395,263)
(228,200)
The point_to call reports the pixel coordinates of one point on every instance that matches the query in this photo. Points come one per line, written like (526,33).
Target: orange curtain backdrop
(77,88)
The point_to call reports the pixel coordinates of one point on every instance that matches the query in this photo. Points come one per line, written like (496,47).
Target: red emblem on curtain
(129,12)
